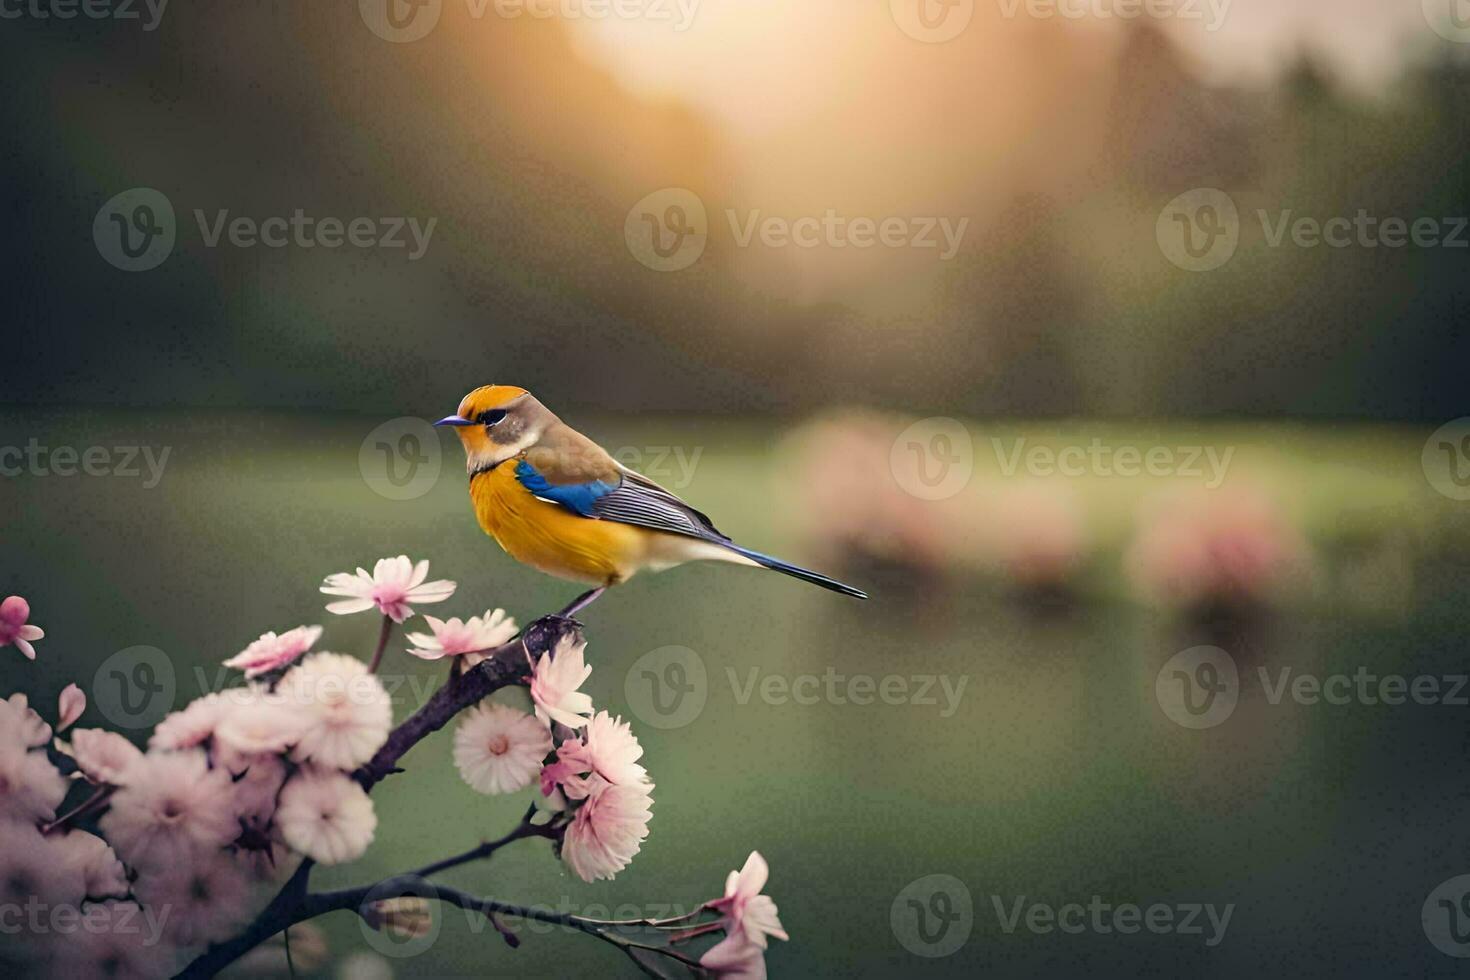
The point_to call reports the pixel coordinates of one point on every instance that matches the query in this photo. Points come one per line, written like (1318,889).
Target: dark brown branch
(507,664)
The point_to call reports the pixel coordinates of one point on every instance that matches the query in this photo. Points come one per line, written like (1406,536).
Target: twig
(103,794)
(383,634)
(357,898)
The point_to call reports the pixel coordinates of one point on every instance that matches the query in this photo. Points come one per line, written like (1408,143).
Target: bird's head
(497,422)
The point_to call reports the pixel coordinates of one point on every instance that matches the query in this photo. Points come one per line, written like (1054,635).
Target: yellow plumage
(550,537)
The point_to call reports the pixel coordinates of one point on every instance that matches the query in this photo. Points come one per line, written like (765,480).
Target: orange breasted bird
(555,500)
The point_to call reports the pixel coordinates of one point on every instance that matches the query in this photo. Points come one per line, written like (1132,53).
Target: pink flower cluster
(588,767)
(231,792)
(165,850)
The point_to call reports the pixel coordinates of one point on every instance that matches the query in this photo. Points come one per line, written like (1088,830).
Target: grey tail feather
(796,571)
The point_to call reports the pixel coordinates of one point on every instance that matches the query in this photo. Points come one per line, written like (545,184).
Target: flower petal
(346,606)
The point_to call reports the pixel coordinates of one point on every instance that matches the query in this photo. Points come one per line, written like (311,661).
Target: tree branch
(410,884)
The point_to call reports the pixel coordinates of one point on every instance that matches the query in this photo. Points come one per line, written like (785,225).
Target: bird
(557,501)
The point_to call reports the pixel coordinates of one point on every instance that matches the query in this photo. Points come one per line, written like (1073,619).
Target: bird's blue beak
(454,420)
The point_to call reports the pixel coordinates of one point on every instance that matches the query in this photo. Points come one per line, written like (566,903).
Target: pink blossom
(14,612)
(205,895)
(21,725)
(345,710)
(257,722)
(69,707)
(34,869)
(554,683)
(735,958)
(103,757)
(272,652)
(192,726)
(30,787)
(606,748)
(498,749)
(103,875)
(608,829)
(172,804)
(455,638)
(393,585)
(746,910)
(326,816)
(111,943)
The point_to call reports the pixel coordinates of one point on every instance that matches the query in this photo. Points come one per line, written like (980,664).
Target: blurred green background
(802,397)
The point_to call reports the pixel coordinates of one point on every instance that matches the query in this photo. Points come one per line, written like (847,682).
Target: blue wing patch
(578,497)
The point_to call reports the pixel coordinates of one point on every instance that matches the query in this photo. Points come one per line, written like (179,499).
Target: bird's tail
(796,571)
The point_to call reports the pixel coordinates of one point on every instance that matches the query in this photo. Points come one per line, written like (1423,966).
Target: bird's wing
(620,495)
(639,500)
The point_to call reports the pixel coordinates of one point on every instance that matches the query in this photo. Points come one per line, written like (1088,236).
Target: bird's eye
(490,416)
